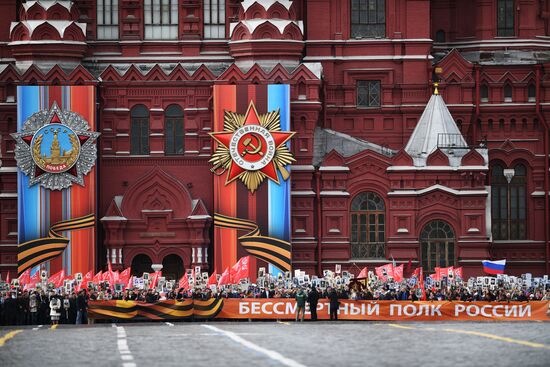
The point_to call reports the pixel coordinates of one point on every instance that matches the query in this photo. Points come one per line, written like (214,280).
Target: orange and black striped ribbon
(35,252)
(272,250)
(162,310)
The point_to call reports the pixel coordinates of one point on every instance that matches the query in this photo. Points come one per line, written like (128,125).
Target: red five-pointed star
(252,118)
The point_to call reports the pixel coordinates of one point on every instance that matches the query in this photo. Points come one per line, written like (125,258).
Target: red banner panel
(391,310)
(279,308)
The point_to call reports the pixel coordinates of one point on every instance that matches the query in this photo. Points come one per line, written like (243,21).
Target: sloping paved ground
(291,344)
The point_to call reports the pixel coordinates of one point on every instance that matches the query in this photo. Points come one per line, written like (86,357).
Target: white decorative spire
(436,128)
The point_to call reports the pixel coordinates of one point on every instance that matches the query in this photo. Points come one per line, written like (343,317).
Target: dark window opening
(368,93)
(173,130)
(368,18)
(367,226)
(509,202)
(139,130)
(505,18)
(440,36)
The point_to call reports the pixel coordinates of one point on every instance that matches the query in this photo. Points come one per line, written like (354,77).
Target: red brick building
(385,168)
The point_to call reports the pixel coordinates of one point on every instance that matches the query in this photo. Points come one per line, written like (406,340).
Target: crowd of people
(38,306)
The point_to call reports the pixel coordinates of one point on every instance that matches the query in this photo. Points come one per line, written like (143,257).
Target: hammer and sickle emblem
(255,148)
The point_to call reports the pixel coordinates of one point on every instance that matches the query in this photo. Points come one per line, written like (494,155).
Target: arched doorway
(438,245)
(141,264)
(172,267)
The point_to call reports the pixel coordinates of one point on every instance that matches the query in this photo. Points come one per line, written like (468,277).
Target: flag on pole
(57,278)
(494,267)
(125,275)
(225,278)
(85,279)
(384,272)
(398,273)
(212,280)
(184,282)
(25,277)
(363,274)
(98,277)
(458,273)
(155,279)
(241,269)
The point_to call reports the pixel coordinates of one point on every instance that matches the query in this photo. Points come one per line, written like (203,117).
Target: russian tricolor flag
(494,267)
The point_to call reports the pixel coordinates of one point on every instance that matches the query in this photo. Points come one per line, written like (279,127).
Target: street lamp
(157,267)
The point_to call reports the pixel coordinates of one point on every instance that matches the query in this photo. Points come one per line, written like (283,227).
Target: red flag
(458,273)
(116,277)
(363,274)
(184,282)
(241,269)
(25,277)
(436,275)
(98,277)
(88,277)
(155,279)
(444,272)
(125,275)
(110,275)
(105,277)
(398,273)
(35,278)
(409,267)
(384,271)
(225,278)
(8,278)
(419,274)
(57,278)
(212,280)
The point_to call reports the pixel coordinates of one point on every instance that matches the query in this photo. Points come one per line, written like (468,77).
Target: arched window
(531,93)
(139,130)
(368,18)
(508,202)
(368,223)
(438,245)
(505,18)
(141,264)
(484,93)
(173,130)
(172,267)
(507,93)
(161,19)
(440,36)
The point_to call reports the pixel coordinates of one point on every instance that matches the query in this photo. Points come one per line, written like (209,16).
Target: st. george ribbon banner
(251,166)
(162,310)
(56,182)
(279,308)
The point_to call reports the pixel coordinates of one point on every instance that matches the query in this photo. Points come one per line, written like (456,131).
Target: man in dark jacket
(334,304)
(313,299)
(81,307)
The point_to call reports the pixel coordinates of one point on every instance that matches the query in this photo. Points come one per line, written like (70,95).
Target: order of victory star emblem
(55,148)
(252,147)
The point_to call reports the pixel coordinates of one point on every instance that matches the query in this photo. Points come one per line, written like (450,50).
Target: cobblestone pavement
(278,344)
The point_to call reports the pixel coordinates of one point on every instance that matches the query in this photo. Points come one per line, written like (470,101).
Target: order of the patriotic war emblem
(55,148)
(252,147)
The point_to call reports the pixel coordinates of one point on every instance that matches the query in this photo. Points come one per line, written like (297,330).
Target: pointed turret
(275,21)
(436,129)
(48,31)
